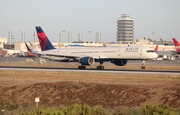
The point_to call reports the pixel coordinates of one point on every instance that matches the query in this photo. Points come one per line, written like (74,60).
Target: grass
(114,78)
(20,77)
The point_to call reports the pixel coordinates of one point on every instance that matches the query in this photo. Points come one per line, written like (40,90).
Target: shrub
(79,86)
(12,106)
(74,109)
(157,110)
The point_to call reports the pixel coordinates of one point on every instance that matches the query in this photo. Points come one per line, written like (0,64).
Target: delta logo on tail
(177,45)
(43,40)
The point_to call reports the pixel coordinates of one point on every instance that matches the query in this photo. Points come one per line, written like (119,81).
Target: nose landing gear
(143,64)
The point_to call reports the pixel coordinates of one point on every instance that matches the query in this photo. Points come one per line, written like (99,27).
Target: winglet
(43,40)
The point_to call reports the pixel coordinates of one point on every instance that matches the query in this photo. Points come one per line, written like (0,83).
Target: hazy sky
(80,16)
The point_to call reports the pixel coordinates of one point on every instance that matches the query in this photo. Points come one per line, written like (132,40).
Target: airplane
(165,55)
(29,51)
(88,56)
(177,45)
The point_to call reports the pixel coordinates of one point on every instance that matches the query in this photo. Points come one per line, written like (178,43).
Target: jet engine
(87,60)
(119,62)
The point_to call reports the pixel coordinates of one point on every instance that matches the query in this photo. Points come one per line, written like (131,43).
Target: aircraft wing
(74,56)
(70,55)
(173,51)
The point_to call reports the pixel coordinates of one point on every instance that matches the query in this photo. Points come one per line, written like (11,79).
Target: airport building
(2,42)
(125,29)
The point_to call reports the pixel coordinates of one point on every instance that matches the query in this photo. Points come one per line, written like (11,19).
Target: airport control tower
(125,29)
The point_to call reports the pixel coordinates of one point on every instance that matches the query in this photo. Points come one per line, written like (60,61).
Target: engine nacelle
(119,62)
(87,60)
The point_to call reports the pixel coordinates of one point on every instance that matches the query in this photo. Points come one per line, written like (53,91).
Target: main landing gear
(82,67)
(100,67)
(143,64)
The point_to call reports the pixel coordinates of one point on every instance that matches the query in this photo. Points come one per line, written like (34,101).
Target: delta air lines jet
(88,56)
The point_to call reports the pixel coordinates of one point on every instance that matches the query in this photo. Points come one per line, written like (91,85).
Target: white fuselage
(124,52)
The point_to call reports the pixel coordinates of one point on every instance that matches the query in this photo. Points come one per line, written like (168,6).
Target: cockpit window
(150,51)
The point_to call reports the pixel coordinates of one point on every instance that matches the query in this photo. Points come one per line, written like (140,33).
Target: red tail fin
(156,48)
(176,44)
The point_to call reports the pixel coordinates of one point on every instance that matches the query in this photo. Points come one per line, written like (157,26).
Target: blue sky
(80,16)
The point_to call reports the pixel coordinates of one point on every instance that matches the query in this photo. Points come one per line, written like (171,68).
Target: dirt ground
(111,90)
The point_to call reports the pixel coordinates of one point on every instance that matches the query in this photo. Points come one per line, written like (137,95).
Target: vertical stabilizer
(28,48)
(176,44)
(43,40)
(29,51)
(156,48)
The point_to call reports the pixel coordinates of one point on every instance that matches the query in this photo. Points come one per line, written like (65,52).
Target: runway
(90,70)
(174,63)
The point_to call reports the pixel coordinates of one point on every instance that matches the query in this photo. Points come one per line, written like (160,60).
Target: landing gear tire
(81,67)
(143,64)
(100,67)
(142,67)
